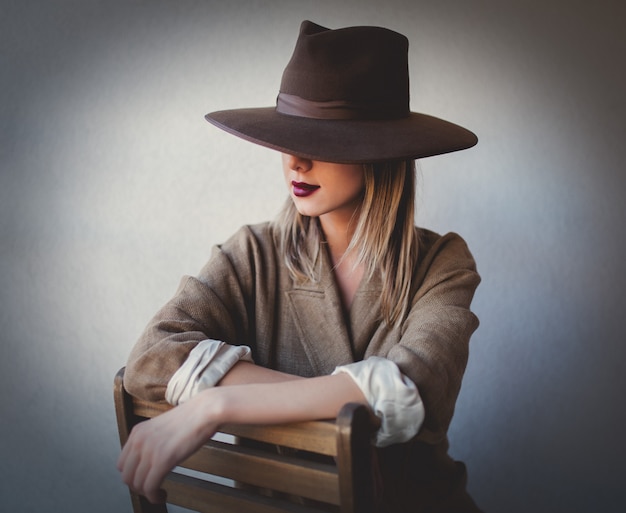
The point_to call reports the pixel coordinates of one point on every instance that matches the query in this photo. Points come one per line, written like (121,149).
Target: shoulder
(449,246)
(261,236)
(429,239)
(249,255)
(250,249)
(444,258)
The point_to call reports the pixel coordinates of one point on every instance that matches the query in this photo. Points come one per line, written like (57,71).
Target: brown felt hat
(344,97)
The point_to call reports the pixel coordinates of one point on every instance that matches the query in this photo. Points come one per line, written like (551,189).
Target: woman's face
(324,189)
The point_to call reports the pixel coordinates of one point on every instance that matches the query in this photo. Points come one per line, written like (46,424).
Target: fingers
(156,446)
(139,479)
(151,483)
(138,468)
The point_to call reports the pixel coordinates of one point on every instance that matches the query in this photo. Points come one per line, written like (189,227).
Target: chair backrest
(319,466)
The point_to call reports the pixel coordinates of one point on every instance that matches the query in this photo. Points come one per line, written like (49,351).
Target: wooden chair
(328,464)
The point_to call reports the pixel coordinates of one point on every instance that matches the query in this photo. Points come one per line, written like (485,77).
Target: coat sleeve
(434,342)
(214,305)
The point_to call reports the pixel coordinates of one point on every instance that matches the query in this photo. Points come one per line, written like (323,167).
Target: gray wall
(112,186)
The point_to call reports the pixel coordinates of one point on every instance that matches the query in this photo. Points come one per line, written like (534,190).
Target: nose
(300,164)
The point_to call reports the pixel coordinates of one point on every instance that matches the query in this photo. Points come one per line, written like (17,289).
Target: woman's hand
(156,446)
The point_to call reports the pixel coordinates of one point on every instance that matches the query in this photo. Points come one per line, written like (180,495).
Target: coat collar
(329,335)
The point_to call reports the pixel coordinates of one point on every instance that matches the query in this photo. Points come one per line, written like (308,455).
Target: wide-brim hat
(344,97)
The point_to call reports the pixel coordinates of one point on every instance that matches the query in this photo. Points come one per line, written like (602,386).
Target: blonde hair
(384,238)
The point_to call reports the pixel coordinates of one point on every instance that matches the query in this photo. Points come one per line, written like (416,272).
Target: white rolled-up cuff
(393,397)
(205,366)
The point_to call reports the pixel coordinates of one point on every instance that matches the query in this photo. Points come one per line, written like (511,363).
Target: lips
(302,189)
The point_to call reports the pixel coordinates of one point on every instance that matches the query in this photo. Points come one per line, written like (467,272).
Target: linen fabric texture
(245,295)
(205,366)
(393,397)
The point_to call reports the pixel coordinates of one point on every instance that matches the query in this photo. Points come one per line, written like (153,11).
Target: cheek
(357,180)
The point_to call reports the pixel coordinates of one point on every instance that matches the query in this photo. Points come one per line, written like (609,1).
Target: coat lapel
(322,327)
(365,314)
(318,316)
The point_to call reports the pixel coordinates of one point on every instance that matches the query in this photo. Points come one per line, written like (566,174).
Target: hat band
(292,105)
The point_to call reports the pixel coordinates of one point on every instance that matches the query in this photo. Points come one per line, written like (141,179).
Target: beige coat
(245,295)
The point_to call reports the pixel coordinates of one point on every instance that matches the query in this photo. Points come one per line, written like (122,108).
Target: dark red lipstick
(303,189)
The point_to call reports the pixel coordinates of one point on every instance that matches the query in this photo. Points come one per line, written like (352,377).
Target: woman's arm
(158,445)
(219,304)
(246,373)
(434,345)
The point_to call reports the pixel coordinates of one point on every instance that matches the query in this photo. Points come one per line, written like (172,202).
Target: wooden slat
(126,419)
(347,483)
(267,470)
(208,497)
(317,436)
(355,425)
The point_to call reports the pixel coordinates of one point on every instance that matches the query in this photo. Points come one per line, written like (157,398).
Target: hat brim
(345,141)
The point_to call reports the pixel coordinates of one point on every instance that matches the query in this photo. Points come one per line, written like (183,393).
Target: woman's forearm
(246,373)
(156,446)
(279,401)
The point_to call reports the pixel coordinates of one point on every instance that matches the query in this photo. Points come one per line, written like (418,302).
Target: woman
(341,299)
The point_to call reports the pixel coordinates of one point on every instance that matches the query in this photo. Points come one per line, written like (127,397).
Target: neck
(347,275)
(338,234)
